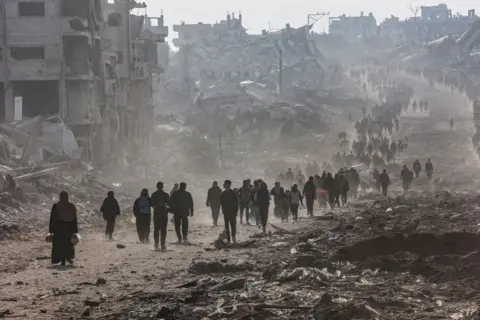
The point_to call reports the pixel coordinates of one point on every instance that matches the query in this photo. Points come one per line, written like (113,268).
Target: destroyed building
(192,32)
(353,27)
(88,61)
(432,23)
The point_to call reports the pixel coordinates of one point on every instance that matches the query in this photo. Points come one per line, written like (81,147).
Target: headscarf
(66,210)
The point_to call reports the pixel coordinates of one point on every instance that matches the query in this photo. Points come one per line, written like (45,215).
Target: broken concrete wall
(38,97)
(79,102)
(77,55)
(41,48)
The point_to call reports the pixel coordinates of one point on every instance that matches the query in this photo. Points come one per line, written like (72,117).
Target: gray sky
(274,14)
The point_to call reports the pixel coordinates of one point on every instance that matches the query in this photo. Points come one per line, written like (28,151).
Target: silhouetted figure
(310,193)
(244,200)
(429,169)
(143,216)
(159,201)
(229,201)
(181,204)
(384,180)
(262,200)
(110,210)
(63,226)
(213,201)
(417,168)
(294,200)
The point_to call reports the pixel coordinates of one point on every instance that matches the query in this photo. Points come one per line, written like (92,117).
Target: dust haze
(349,132)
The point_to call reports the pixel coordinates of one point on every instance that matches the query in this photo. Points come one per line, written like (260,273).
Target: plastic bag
(49,238)
(133,220)
(75,239)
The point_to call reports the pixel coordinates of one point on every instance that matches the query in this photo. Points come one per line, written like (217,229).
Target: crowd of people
(251,201)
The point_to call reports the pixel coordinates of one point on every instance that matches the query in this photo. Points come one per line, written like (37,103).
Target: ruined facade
(193,32)
(431,23)
(353,27)
(89,61)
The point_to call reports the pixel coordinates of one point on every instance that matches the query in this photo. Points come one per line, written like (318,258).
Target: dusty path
(430,135)
(37,290)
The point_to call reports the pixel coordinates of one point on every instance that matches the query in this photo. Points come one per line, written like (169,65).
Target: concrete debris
(252,57)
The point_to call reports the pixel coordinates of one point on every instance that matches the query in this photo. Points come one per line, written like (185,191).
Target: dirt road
(31,287)
(430,135)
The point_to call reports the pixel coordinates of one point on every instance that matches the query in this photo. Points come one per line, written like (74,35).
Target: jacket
(160,200)
(229,202)
(213,196)
(110,208)
(262,198)
(309,190)
(181,203)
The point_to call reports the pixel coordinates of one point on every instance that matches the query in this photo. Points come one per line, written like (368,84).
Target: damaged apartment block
(88,61)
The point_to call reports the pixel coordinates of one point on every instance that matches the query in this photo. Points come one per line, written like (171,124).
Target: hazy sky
(274,14)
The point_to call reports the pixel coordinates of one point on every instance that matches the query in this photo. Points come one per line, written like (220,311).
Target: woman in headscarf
(63,225)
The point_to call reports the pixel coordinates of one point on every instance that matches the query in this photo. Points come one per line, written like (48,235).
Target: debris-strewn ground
(413,255)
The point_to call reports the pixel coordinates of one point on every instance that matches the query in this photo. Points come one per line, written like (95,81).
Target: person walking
(143,216)
(244,200)
(417,168)
(295,199)
(63,227)
(310,193)
(229,202)
(110,210)
(213,201)
(279,196)
(429,169)
(384,182)
(262,200)
(159,201)
(181,204)
(253,206)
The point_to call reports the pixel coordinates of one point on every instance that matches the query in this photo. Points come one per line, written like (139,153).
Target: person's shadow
(59,267)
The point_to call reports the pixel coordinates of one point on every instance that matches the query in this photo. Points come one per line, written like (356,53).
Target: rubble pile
(38,159)
(239,56)
(261,88)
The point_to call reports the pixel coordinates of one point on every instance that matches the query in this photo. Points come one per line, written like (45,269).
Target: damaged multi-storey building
(89,61)
(429,23)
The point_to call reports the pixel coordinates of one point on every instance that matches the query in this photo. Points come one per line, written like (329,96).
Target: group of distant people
(407,175)
(179,203)
(422,105)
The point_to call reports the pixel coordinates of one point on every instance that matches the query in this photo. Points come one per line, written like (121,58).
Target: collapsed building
(90,62)
(428,24)
(225,68)
(353,26)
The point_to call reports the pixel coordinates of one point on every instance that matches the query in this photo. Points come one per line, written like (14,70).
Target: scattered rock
(43,258)
(101,282)
(120,246)
(230,285)
(92,303)
(217,267)
(166,311)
